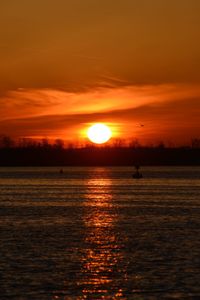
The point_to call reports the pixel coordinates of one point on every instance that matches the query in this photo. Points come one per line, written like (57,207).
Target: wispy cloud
(33,102)
(169,117)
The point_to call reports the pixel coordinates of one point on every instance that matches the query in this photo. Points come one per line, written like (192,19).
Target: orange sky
(68,64)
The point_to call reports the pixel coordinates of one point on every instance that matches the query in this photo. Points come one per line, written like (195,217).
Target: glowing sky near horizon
(68,64)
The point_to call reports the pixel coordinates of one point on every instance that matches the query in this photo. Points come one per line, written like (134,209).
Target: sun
(99,133)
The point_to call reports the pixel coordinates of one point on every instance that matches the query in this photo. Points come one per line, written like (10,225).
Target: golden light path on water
(102,253)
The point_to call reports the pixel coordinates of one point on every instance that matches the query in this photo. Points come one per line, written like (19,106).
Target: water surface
(96,233)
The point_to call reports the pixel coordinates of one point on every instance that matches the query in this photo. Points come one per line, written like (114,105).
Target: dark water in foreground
(96,233)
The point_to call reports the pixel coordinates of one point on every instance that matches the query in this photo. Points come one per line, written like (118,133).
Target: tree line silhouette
(29,152)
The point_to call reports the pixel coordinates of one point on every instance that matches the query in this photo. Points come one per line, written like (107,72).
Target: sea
(97,233)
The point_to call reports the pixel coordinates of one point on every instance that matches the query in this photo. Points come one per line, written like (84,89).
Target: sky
(66,64)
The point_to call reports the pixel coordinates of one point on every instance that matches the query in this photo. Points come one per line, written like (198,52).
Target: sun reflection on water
(102,248)
(97,266)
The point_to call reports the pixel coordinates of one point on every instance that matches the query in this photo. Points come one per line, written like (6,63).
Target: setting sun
(99,133)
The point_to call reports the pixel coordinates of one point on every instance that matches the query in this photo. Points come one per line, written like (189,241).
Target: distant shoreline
(41,166)
(94,156)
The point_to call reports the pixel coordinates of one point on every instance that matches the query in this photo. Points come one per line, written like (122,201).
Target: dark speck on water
(96,233)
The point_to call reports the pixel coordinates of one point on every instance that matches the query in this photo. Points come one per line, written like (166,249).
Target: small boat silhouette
(137,174)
